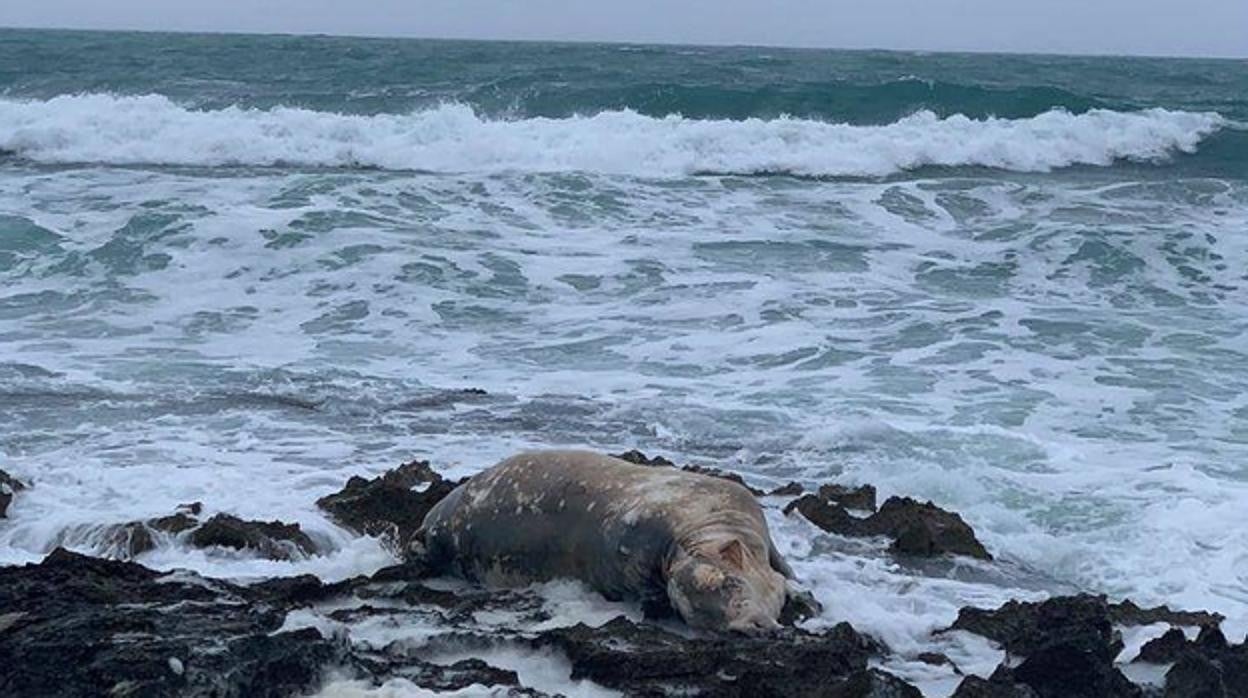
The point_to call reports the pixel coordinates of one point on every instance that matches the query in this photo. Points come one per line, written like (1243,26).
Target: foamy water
(152,130)
(246,305)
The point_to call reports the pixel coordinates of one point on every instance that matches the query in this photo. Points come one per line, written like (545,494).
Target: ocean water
(239,270)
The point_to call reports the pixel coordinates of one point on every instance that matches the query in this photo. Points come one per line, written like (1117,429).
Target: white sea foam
(1102,453)
(153,130)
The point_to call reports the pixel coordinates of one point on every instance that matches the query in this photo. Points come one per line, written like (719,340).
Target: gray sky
(1154,27)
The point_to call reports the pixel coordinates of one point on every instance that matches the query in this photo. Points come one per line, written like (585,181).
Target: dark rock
(916,528)
(799,607)
(937,659)
(871,683)
(1000,685)
(849,497)
(832,518)
(1207,666)
(129,540)
(645,660)
(925,529)
(389,505)
(273,539)
(723,475)
(638,458)
(1024,628)
(461,675)
(408,571)
(79,626)
(173,524)
(280,665)
(9,486)
(300,590)
(398,659)
(92,627)
(793,489)
(1074,670)
(1127,613)
(1211,640)
(1194,676)
(1165,649)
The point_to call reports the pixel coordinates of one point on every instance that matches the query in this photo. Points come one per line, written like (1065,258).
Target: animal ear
(734,553)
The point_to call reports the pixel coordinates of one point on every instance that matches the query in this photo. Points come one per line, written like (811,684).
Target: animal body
(658,534)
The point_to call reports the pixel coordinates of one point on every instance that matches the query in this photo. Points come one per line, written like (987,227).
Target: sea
(239,270)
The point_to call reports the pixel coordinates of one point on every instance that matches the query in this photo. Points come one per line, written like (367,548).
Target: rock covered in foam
(81,626)
(1068,646)
(274,540)
(392,505)
(1208,667)
(9,487)
(642,659)
(1023,628)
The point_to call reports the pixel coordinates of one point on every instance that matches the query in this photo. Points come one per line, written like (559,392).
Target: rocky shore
(73,625)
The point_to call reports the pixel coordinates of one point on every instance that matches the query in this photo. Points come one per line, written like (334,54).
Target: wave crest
(452,138)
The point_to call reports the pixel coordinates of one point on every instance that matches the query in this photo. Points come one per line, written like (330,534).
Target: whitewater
(152,130)
(242,274)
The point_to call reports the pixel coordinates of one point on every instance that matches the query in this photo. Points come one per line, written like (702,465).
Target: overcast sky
(1152,27)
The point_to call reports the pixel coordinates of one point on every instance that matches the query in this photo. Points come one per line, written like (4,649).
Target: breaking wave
(452,138)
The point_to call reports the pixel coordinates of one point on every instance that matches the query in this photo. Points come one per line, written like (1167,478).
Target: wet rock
(392,505)
(301,590)
(638,458)
(917,528)
(646,660)
(272,539)
(458,676)
(1000,685)
(862,498)
(922,528)
(129,540)
(9,487)
(1023,628)
(1211,641)
(832,518)
(398,660)
(723,475)
(793,489)
(1194,676)
(1207,666)
(1127,613)
(799,607)
(937,659)
(871,683)
(91,627)
(1165,649)
(1070,644)
(1074,670)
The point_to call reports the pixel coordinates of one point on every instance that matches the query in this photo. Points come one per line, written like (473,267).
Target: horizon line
(618,42)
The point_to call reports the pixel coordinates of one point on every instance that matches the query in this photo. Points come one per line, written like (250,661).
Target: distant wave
(153,130)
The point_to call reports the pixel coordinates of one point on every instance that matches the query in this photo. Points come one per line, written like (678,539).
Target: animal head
(722,585)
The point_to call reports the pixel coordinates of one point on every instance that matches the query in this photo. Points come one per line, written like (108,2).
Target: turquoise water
(240,269)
